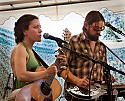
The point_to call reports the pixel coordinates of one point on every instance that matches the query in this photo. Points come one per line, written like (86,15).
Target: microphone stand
(120,32)
(104,64)
(7,87)
(108,77)
(115,29)
(109,84)
(114,53)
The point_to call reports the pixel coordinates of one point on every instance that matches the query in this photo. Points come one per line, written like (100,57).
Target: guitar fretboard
(49,80)
(57,63)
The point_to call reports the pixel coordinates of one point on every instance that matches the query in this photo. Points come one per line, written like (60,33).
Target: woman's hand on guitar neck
(51,70)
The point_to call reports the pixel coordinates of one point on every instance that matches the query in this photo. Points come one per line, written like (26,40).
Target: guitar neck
(49,80)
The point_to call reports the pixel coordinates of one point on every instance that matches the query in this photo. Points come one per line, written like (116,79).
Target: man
(87,43)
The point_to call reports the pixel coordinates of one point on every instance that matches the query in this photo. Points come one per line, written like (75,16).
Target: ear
(86,25)
(25,32)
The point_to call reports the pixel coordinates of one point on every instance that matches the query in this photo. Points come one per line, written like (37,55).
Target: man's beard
(92,37)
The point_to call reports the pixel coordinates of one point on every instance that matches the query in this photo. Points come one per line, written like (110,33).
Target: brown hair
(21,25)
(92,17)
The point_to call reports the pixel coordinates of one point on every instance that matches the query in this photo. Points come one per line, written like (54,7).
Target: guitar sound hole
(45,89)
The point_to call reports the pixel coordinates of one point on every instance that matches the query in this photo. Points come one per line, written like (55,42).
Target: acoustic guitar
(42,90)
(66,34)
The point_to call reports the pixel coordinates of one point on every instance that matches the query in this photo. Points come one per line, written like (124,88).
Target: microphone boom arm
(94,61)
(114,29)
(113,53)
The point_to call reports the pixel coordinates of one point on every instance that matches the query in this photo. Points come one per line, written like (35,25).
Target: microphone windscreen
(45,35)
(107,24)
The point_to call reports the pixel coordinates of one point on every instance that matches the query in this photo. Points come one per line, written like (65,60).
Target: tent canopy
(56,9)
(6,5)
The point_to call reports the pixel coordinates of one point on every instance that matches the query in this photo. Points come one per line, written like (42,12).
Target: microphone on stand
(113,28)
(47,36)
(58,40)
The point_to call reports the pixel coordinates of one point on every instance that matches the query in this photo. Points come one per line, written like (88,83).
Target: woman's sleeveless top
(31,65)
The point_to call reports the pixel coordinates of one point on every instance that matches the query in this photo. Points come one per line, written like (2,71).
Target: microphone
(113,28)
(58,40)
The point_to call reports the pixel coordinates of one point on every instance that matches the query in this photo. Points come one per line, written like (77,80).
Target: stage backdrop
(47,48)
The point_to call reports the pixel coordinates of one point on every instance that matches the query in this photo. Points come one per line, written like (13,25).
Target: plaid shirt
(81,67)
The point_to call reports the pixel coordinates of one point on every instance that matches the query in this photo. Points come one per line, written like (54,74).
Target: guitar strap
(41,60)
(46,66)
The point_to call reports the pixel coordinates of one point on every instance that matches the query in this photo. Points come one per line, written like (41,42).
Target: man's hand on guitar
(83,83)
(62,59)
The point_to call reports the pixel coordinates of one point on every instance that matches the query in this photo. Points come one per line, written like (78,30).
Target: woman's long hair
(21,25)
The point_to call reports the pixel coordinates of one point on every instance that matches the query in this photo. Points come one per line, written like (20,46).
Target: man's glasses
(97,28)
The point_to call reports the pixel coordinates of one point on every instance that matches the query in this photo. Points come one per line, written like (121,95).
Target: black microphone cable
(7,87)
(90,80)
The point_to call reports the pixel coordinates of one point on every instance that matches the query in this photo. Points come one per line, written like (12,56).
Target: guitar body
(33,91)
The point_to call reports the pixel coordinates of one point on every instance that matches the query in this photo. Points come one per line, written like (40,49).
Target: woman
(24,63)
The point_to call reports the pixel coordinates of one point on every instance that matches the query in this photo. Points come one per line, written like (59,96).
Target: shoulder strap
(26,48)
(39,58)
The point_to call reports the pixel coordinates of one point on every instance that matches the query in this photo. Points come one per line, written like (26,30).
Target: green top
(31,66)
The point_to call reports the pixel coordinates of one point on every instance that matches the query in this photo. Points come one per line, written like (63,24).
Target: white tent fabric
(58,12)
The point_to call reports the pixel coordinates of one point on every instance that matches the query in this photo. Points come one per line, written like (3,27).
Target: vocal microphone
(58,40)
(113,28)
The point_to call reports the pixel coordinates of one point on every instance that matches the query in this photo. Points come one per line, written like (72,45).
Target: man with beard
(87,43)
